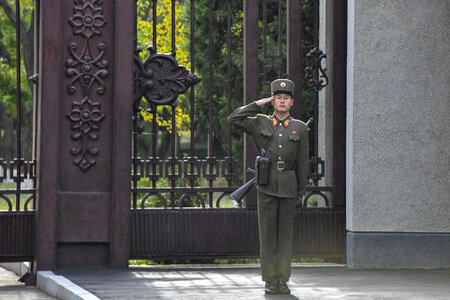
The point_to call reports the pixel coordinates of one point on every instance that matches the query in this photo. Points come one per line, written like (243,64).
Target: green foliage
(8,59)
(229,261)
(155,201)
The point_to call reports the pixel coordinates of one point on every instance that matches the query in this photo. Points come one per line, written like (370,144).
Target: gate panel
(180,206)
(17,236)
(230,233)
(194,233)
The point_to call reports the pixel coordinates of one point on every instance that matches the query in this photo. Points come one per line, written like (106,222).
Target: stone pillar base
(372,250)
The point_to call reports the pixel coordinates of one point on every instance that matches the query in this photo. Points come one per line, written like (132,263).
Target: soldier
(288,169)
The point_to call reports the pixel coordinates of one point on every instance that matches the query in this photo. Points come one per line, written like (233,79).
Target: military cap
(282,86)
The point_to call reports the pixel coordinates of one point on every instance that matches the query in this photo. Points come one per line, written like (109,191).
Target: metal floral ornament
(85,120)
(88,17)
(159,79)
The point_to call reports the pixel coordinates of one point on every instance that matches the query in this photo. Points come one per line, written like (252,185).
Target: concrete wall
(398,132)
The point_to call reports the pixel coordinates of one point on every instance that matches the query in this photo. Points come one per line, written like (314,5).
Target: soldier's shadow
(284,297)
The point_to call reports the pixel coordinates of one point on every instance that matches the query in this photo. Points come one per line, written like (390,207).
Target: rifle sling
(272,138)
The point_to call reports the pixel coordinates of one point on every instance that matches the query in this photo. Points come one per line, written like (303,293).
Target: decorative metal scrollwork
(199,197)
(86,68)
(161,197)
(159,79)
(8,202)
(85,122)
(316,191)
(316,77)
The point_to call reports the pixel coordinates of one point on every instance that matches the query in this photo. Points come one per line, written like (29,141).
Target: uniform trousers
(276,231)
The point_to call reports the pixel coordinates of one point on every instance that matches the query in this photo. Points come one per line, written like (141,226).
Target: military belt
(282,165)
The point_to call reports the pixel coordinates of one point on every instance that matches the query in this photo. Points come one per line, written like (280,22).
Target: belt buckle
(280,166)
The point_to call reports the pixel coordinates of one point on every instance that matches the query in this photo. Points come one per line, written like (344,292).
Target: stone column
(332,99)
(325,121)
(398,134)
(84,147)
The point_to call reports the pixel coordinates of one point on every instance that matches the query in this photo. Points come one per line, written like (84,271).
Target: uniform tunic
(277,199)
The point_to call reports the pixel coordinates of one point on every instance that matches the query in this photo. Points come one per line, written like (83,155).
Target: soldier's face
(282,102)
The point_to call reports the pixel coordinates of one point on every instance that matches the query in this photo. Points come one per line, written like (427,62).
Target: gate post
(84,134)
(251,86)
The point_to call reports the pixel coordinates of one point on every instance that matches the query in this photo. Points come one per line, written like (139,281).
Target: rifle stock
(240,193)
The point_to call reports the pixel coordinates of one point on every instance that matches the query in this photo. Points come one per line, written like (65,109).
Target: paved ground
(243,282)
(11,289)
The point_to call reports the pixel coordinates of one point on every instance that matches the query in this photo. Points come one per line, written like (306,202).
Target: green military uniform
(277,199)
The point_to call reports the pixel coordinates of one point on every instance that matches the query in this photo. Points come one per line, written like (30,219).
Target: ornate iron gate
(17,160)
(183,172)
(186,159)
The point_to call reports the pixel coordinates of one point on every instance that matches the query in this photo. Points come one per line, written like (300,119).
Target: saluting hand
(263,101)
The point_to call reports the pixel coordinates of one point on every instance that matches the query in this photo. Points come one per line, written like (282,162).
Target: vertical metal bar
(154,123)
(280,30)
(154,20)
(294,53)
(35,67)
(339,99)
(265,28)
(192,95)
(154,141)
(174,50)
(135,127)
(229,89)
(210,93)
(35,94)
(135,160)
(251,82)
(18,105)
(174,125)
(316,95)
(174,159)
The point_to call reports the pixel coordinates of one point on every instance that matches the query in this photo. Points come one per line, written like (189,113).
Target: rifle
(240,193)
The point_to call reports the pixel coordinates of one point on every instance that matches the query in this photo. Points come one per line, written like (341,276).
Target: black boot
(271,287)
(283,288)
